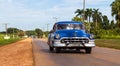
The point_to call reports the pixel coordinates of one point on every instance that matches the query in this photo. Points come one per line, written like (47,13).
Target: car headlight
(57,36)
(91,36)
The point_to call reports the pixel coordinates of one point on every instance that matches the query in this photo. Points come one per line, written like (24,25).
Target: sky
(32,14)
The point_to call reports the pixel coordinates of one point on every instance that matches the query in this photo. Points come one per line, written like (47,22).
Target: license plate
(74,45)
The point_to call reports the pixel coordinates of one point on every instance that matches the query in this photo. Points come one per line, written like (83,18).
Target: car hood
(71,33)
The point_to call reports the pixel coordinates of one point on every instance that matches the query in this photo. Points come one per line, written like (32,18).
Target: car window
(70,26)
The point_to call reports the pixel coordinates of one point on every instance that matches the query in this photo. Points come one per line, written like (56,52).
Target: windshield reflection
(70,27)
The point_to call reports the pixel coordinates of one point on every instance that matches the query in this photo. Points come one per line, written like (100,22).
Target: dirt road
(17,54)
(99,56)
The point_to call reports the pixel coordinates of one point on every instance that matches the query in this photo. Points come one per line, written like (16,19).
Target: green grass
(8,41)
(109,43)
(107,37)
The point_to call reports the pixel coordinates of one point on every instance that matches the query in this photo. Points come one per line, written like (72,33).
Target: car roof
(68,22)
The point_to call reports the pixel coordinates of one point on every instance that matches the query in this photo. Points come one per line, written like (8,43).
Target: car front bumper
(57,43)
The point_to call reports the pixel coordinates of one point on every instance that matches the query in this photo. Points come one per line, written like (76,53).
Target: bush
(107,34)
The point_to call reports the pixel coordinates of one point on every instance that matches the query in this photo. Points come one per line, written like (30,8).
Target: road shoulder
(17,54)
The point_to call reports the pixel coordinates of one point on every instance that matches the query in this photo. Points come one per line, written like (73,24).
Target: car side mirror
(51,31)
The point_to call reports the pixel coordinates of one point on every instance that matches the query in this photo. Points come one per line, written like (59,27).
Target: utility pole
(6,36)
(83,10)
(84,15)
(6,27)
(47,26)
(13,33)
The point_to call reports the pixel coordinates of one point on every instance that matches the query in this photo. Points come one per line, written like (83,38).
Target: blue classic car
(70,35)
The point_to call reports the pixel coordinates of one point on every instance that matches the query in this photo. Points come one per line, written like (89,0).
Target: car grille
(74,40)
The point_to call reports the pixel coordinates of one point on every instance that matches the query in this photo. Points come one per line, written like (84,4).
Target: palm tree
(88,14)
(77,19)
(112,24)
(79,13)
(116,11)
(105,24)
(96,16)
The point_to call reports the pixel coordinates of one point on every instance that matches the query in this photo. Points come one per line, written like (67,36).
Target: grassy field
(109,43)
(7,41)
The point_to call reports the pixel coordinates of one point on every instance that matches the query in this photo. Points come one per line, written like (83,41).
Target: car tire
(51,48)
(57,50)
(88,50)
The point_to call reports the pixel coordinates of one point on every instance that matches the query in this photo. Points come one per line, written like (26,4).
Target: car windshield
(70,26)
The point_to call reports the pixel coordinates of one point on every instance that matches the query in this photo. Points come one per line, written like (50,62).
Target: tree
(10,30)
(39,32)
(31,33)
(88,14)
(105,23)
(77,19)
(46,33)
(79,13)
(112,25)
(21,33)
(116,11)
(96,17)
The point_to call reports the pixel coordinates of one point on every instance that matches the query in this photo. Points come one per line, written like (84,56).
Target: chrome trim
(73,45)
(57,43)
(74,39)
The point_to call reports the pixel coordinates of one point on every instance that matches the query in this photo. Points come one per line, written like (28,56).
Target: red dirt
(17,54)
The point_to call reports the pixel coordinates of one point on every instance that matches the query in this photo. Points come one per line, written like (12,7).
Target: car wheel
(57,50)
(88,50)
(51,48)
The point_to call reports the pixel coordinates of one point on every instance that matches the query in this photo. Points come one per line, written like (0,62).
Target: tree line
(99,24)
(30,33)
(96,23)
(38,33)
